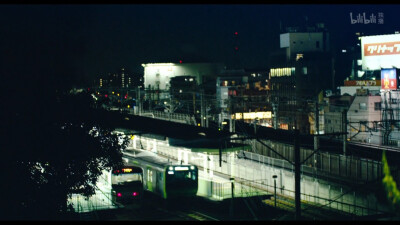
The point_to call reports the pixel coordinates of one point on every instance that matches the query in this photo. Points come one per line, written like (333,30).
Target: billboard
(381,51)
(388,79)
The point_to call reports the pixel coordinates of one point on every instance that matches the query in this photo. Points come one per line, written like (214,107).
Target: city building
(241,94)
(363,117)
(335,113)
(120,79)
(299,73)
(381,54)
(351,86)
(157,75)
(183,90)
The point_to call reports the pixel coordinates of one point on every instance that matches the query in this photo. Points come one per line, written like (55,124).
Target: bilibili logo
(364,18)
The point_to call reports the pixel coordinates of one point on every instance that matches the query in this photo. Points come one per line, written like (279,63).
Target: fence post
(357,169)
(329,163)
(341,194)
(322,163)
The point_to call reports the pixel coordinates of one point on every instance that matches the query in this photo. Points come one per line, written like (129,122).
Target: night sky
(73,44)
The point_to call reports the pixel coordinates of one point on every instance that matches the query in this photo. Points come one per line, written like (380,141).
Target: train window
(183,174)
(149,175)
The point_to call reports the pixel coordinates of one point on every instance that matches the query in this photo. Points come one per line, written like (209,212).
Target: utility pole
(151,96)
(316,137)
(202,114)
(297,173)
(232,121)
(137,100)
(194,103)
(275,105)
(275,176)
(232,211)
(220,153)
(317,116)
(171,105)
(344,130)
(255,125)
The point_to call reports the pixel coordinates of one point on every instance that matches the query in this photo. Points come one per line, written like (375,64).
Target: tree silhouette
(393,193)
(51,152)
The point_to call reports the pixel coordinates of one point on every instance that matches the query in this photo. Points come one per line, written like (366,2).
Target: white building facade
(391,117)
(363,118)
(302,42)
(157,75)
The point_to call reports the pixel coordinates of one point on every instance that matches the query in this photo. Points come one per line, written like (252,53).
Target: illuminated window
(305,70)
(299,56)
(149,175)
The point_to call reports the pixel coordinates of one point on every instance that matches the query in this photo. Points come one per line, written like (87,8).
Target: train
(127,184)
(163,177)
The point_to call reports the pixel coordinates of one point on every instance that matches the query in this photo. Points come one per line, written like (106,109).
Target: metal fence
(323,164)
(99,201)
(252,173)
(175,117)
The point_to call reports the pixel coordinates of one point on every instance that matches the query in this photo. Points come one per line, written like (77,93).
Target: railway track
(196,216)
(309,211)
(161,210)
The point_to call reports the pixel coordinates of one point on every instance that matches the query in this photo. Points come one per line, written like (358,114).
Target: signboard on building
(362,83)
(381,51)
(388,79)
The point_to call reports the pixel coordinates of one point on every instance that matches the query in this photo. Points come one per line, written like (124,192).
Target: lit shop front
(261,118)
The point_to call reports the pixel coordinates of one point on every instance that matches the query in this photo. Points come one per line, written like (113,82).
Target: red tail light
(119,194)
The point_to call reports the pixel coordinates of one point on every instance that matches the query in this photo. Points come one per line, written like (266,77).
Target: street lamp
(232,200)
(275,176)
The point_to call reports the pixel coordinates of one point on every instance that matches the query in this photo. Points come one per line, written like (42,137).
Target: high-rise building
(299,72)
(121,79)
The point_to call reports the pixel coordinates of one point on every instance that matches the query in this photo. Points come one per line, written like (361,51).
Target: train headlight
(171,168)
(192,167)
